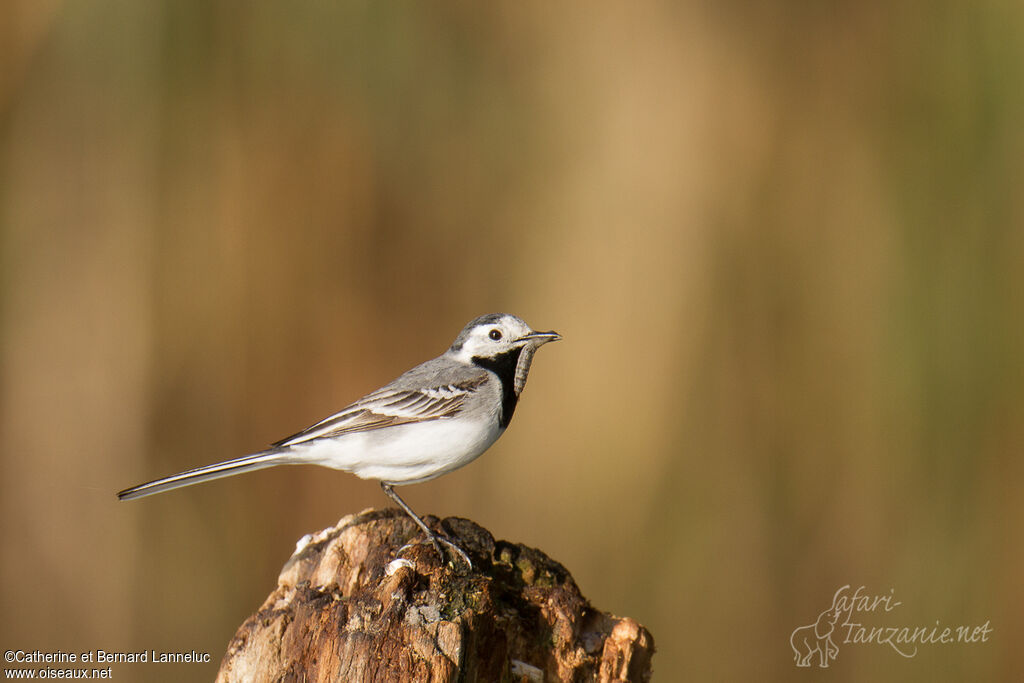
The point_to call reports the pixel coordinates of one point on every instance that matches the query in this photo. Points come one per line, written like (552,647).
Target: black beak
(540,337)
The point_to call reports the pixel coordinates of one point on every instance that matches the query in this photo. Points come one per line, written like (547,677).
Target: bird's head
(497,334)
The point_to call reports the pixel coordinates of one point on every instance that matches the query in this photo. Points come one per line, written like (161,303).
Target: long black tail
(198,475)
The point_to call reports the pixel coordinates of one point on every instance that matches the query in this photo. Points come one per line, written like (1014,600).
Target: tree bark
(345,609)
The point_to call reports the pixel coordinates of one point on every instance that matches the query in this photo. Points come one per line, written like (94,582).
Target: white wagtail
(435,418)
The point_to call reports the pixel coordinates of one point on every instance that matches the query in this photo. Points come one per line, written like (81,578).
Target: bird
(431,420)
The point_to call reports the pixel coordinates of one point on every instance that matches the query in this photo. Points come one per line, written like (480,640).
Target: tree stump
(356,603)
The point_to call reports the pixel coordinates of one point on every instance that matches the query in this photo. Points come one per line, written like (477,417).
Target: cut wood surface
(368,600)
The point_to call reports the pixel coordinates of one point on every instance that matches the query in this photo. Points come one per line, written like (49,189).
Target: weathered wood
(346,609)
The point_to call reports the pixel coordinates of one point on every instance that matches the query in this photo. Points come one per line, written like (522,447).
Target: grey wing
(390,406)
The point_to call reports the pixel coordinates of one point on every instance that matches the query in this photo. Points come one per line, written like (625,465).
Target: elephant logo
(816,637)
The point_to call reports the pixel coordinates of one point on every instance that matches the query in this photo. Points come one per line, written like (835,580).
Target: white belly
(404,454)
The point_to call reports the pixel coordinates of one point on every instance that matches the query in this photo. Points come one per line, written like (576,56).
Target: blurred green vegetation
(784,243)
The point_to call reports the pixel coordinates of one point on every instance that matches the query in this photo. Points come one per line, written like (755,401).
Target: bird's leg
(434,538)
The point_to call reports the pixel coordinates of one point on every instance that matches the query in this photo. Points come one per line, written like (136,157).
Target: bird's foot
(438,540)
(439,543)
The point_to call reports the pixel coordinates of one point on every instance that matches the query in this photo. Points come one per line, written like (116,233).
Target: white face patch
(490,338)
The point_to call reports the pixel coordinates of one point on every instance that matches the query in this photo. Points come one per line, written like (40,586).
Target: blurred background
(783,241)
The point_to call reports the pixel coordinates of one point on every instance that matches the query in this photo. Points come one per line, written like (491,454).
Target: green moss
(526,569)
(462,595)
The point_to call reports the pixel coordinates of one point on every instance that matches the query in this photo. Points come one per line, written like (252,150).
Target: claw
(436,541)
(459,551)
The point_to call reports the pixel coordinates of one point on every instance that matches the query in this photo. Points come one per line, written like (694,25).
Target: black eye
(494,334)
